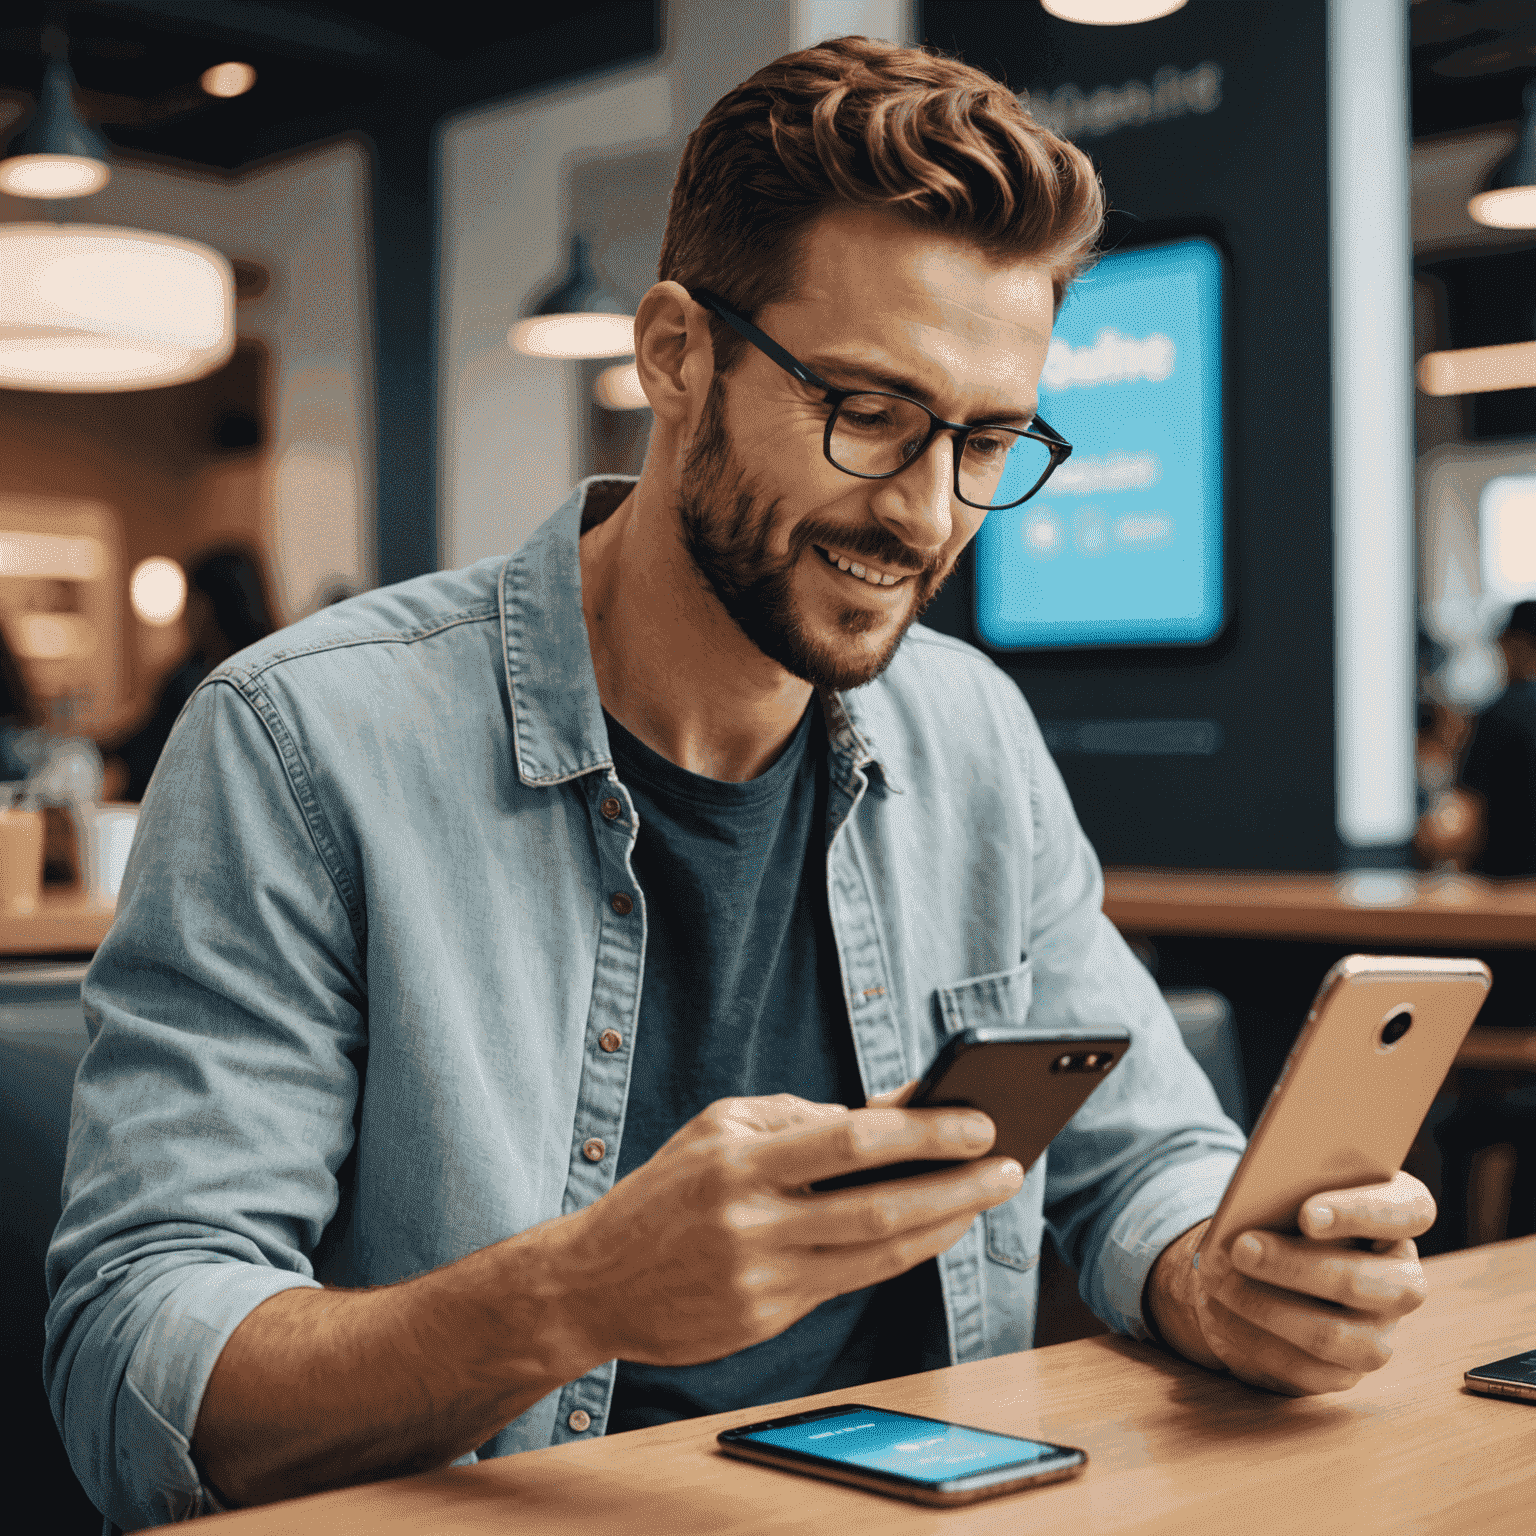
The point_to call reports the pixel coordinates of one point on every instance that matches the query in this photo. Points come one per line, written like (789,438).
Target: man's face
(766,517)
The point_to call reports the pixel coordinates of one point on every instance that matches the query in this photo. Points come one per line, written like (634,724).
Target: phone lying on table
(1381,1036)
(1514,1377)
(1029,1084)
(929,1461)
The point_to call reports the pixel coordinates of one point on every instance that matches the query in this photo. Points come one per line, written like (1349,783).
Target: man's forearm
(321,1389)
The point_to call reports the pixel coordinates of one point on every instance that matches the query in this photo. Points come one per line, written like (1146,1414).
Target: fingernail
(975,1130)
(1006,1175)
(1249,1246)
(1322,1215)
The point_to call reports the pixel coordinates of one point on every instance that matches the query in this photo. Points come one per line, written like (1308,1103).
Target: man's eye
(866,421)
(986,447)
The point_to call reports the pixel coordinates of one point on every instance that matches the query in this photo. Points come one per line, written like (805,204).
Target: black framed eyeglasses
(874,434)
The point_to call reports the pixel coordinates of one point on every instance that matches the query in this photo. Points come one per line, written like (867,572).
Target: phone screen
(924,1450)
(1518,1368)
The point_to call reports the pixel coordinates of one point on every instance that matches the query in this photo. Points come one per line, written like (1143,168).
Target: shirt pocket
(1015,1229)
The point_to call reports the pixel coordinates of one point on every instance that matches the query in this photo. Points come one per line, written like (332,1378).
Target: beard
(728,530)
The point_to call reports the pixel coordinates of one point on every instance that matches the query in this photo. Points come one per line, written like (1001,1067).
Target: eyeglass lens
(876,435)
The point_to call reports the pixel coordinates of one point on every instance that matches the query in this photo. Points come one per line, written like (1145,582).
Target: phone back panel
(1347,1105)
(1013,1082)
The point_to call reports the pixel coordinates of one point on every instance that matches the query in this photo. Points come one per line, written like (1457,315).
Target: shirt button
(610,1040)
(611,808)
(580,1420)
(593,1149)
(621,903)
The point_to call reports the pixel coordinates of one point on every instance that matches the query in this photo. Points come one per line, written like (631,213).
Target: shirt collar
(557,714)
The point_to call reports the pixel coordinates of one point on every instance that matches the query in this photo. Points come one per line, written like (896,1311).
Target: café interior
(300,300)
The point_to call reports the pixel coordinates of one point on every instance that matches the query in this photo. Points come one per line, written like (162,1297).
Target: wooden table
(1367,906)
(1173,1449)
(66,921)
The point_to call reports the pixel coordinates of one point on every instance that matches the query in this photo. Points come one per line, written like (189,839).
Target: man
(512,948)
(1500,768)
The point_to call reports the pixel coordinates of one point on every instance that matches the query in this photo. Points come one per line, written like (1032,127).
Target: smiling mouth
(868,574)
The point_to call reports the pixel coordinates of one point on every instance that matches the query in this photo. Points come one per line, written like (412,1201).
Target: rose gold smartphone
(1381,1036)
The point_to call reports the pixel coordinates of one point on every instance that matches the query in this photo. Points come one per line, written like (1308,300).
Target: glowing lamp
(87,307)
(581,317)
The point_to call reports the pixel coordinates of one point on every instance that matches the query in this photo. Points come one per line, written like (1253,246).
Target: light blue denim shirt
(345,1027)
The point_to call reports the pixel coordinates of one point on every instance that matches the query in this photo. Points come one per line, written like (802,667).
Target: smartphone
(1514,1377)
(1382,1034)
(929,1461)
(1029,1084)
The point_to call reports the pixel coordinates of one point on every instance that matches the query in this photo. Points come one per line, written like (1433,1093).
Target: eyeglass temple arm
(759,339)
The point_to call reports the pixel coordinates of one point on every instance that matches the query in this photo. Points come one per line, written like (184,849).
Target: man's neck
(672,667)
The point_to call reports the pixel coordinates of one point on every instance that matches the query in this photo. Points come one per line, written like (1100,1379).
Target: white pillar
(1370,262)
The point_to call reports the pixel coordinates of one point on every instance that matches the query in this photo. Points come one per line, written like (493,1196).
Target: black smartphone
(1029,1084)
(929,1461)
(1514,1377)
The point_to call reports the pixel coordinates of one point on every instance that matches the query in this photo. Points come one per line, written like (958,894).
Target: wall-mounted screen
(1123,545)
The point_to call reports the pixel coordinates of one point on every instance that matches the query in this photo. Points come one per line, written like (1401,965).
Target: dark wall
(1252,170)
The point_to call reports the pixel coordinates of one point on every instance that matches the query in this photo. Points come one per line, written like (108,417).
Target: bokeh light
(228,79)
(158,590)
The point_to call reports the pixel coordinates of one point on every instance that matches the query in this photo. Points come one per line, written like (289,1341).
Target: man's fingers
(807,1151)
(1264,1359)
(1402,1207)
(1390,1284)
(873,1213)
(895,1098)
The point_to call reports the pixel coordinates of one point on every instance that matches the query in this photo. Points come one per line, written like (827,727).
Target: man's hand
(716,1244)
(1299,1315)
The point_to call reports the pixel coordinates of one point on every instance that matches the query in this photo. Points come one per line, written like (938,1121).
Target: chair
(1487,1143)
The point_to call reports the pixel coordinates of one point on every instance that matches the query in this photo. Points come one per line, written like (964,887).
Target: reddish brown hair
(855,123)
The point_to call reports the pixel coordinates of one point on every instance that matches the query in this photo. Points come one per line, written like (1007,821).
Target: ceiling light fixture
(1509,199)
(581,317)
(91,307)
(1112,13)
(228,80)
(56,154)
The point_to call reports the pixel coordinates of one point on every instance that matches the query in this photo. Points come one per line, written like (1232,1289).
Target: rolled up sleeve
(1150,1153)
(214,1107)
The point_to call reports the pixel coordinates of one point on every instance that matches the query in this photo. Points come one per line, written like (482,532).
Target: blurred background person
(1500,768)
(20,715)
(227,610)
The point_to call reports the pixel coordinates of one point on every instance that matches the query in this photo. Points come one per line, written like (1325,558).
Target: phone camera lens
(1104,1062)
(1396,1027)
(1063,1062)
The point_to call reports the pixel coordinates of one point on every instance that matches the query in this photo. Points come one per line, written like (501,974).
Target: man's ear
(674,354)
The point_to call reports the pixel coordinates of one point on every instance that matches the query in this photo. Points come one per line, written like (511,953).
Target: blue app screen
(1123,544)
(891,1442)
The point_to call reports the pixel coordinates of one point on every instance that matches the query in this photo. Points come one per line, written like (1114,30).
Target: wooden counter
(1173,1450)
(66,922)
(1361,908)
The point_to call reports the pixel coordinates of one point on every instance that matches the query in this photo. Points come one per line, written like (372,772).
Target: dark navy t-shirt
(743,996)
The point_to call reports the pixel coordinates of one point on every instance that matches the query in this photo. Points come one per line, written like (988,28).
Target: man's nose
(917,504)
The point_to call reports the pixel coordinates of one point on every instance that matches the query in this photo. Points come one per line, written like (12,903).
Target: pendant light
(90,307)
(581,317)
(55,155)
(1509,199)
(1112,13)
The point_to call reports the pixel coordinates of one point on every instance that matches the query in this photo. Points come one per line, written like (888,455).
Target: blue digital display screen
(925,1449)
(1123,544)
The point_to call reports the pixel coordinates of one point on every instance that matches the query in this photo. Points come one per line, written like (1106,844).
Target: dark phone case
(1007,1074)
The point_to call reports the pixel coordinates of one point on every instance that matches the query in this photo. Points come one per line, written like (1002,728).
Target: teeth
(874,578)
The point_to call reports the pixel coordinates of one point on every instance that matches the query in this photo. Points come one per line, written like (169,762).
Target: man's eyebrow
(832,368)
